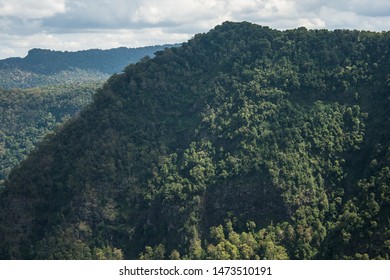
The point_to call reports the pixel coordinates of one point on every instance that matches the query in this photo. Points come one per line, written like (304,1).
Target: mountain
(26,115)
(46,87)
(47,67)
(244,143)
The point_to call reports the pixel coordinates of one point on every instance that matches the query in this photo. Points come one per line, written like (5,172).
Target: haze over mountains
(44,67)
(243,143)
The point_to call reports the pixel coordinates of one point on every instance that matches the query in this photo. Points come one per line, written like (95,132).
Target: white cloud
(27,9)
(105,23)
(377,8)
(312,23)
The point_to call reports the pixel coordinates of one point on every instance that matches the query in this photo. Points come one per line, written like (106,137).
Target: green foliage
(26,116)
(156,253)
(70,243)
(244,143)
(249,245)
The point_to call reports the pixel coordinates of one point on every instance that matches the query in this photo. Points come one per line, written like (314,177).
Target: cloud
(27,9)
(73,16)
(107,23)
(109,14)
(377,8)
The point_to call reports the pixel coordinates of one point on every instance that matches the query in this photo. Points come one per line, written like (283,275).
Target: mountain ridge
(44,66)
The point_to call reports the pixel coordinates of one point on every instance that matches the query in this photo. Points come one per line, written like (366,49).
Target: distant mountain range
(46,67)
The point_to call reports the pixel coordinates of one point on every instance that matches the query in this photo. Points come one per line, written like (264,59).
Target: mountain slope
(27,115)
(244,143)
(46,67)
(66,81)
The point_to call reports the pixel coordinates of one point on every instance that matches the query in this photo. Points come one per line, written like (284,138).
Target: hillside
(46,87)
(27,115)
(46,67)
(244,143)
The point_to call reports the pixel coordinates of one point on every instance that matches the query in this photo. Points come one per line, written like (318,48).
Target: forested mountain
(244,143)
(48,87)
(26,115)
(46,67)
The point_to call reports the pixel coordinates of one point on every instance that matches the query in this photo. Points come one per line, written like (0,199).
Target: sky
(75,25)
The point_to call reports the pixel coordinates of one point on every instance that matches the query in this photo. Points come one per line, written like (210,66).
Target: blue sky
(75,25)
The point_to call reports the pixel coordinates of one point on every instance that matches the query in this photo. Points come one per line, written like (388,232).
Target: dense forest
(46,67)
(27,115)
(42,90)
(244,143)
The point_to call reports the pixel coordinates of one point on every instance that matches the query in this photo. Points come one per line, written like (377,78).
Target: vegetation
(58,85)
(244,143)
(26,116)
